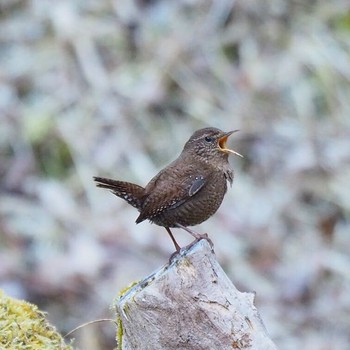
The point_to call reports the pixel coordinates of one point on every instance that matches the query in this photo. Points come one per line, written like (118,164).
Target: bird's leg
(196,235)
(192,233)
(177,247)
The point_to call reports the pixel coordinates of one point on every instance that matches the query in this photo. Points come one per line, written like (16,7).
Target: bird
(186,192)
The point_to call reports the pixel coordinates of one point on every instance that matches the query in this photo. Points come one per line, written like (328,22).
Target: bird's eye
(209,139)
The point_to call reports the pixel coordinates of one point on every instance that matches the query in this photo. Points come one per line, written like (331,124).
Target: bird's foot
(189,246)
(197,236)
(200,237)
(173,256)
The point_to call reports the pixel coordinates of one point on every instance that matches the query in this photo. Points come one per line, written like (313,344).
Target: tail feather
(130,192)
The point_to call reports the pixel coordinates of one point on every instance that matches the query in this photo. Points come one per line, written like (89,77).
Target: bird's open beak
(222,144)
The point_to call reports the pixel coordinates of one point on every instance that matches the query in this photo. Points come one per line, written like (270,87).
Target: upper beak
(222,143)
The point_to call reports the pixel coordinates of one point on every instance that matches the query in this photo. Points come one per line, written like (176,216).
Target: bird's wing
(169,189)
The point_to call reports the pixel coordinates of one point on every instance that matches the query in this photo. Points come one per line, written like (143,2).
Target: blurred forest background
(115,88)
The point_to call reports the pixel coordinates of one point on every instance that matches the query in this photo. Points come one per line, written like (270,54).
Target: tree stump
(190,303)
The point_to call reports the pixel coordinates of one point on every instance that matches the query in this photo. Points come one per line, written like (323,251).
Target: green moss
(119,335)
(125,289)
(23,326)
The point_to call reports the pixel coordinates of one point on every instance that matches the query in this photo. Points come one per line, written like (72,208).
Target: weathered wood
(190,304)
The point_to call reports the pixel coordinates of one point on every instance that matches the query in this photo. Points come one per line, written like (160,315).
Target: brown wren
(187,191)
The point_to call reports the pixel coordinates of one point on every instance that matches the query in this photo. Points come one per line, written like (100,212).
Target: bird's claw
(173,255)
(189,246)
(206,237)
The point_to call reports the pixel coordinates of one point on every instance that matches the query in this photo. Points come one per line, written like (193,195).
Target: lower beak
(222,144)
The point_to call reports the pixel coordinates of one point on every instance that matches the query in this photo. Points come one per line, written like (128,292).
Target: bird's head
(210,144)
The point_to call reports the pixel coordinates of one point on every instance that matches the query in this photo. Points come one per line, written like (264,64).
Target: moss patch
(23,326)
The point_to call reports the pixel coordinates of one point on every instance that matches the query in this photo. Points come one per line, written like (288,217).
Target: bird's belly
(196,209)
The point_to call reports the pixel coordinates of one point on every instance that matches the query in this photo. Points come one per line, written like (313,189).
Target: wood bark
(190,303)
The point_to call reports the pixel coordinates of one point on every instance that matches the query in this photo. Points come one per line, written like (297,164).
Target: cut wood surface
(190,304)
